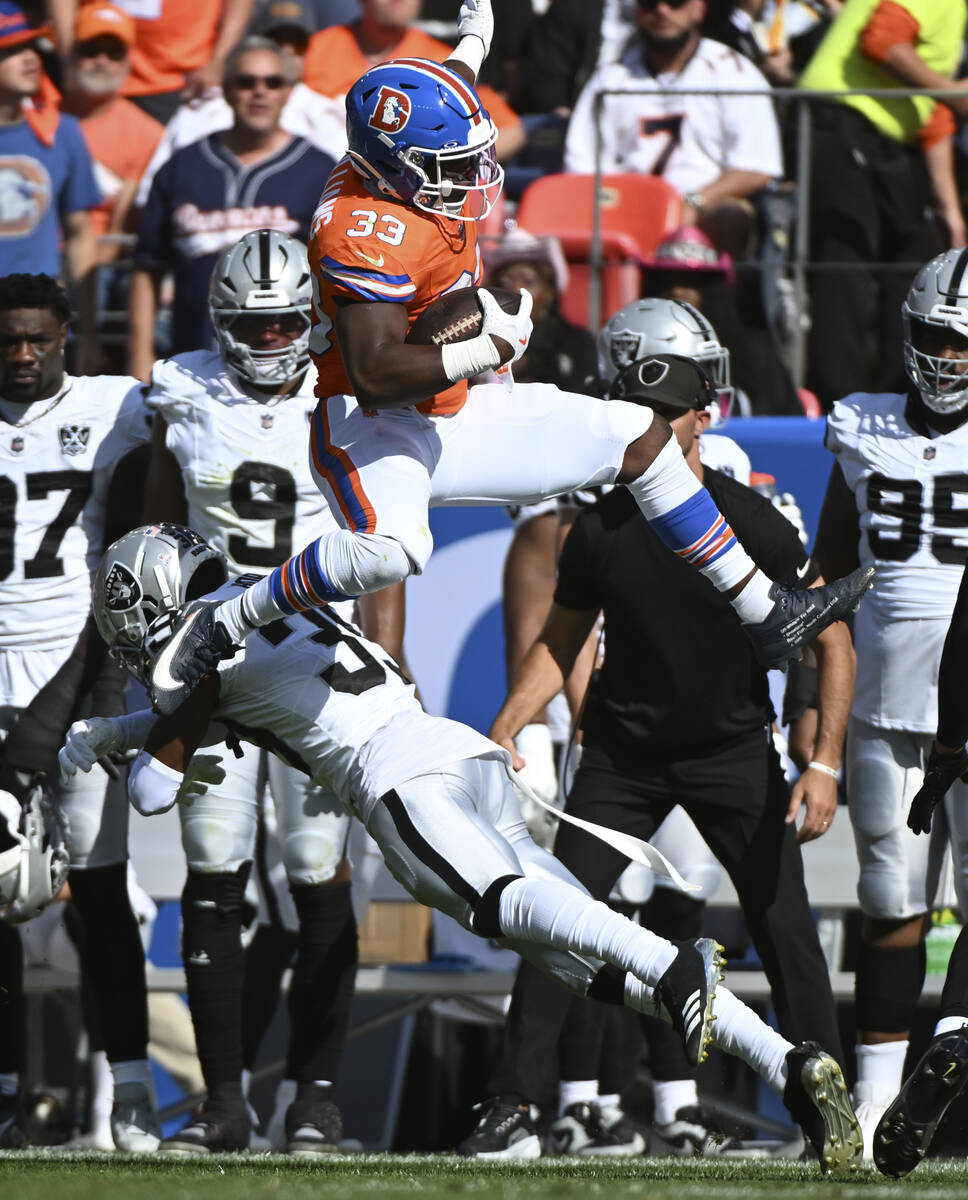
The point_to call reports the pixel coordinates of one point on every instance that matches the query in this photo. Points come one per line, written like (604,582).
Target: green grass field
(40,1175)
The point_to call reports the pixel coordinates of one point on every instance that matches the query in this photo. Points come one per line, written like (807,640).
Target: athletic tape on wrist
(470,51)
(463,360)
(823,769)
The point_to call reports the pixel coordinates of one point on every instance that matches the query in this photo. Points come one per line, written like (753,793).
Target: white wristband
(470,51)
(464,360)
(823,769)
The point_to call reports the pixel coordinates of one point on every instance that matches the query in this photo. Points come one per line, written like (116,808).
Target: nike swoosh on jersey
(377,262)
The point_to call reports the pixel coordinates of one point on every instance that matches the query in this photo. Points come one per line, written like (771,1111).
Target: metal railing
(799,262)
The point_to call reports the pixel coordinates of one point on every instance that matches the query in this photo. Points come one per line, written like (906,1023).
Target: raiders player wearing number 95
(229,460)
(69,479)
(898,500)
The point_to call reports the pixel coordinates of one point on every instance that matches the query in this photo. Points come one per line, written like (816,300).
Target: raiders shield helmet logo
(74,438)
(652,372)
(625,345)
(121,588)
(391,111)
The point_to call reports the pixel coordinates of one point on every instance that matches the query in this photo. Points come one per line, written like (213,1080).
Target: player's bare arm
(174,739)
(838,533)
(164,490)
(543,672)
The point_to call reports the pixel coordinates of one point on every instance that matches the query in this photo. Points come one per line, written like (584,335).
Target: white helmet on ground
(659,326)
(150,571)
(263,276)
(935,318)
(33,859)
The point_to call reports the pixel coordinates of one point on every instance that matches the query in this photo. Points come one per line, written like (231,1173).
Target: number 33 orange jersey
(370,249)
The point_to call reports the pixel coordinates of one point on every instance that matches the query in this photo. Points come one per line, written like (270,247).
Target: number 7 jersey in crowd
(244,461)
(56,467)
(368,248)
(911,492)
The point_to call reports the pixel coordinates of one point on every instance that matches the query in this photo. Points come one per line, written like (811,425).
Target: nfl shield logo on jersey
(391,111)
(267,420)
(74,438)
(17,444)
(930,452)
(121,589)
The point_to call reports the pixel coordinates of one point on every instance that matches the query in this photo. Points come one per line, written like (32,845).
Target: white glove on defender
(476,20)
(514,328)
(203,770)
(534,745)
(89,740)
(787,505)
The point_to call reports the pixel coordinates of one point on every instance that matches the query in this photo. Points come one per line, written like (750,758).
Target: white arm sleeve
(152,787)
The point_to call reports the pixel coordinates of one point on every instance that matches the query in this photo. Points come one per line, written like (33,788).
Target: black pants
(738,798)
(869,202)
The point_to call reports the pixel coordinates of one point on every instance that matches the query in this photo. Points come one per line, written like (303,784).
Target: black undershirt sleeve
(953,675)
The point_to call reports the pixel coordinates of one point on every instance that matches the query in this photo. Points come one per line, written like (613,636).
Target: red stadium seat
(637,212)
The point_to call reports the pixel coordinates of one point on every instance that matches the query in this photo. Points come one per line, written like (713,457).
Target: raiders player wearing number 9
(898,500)
(71,474)
(229,460)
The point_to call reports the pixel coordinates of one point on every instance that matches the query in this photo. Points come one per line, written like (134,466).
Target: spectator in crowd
(507,66)
(686,266)
(323,12)
(777,36)
(896,500)
(307,114)
(338,56)
(253,175)
(180,51)
(47,185)
(679,713)
(120,136)
(558,352)
(717,151)
(86,438)
(566,44)
(891,160)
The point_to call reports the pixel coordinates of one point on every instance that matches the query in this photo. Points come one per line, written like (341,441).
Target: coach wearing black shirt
(680,714)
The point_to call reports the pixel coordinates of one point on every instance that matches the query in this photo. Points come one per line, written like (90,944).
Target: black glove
(941,772)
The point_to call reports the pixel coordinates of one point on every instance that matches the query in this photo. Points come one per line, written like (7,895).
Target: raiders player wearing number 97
(898,500)
(229,460)
(69,483)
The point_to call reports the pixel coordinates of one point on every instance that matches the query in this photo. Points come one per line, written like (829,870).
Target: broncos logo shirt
(365,248)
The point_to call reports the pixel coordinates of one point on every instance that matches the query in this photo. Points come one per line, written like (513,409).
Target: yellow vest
(839,64)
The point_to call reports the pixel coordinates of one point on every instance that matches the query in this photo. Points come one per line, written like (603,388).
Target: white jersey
(244,461)
(722,454)
(55,471)
(313,690)
(664,130)
(911,493)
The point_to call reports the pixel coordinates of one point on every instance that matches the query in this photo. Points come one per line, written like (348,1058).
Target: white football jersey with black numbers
(55,470)
(244,461)
(313,690)
(911,493)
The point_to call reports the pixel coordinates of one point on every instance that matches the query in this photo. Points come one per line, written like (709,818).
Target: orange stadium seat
(638,211)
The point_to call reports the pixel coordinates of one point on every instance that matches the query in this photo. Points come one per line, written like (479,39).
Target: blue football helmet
(418,132)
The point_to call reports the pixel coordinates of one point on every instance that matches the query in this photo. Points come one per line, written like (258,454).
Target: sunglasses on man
(248,83)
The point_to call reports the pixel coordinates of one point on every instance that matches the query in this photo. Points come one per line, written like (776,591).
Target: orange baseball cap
(104,20)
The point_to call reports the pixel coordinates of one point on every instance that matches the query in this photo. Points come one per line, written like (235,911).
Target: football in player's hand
(457,316)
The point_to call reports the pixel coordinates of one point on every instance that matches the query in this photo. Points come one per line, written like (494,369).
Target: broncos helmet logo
(391,111)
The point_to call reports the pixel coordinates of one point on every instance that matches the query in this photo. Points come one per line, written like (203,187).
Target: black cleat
(817,1098)
(503,1131)
(581,1130)
(686,993)
(907,1128)
(799,614)
(313,1123)
(195,646)
(13,1128)
(214,1131)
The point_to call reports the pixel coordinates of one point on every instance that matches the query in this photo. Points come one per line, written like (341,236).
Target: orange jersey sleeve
(369,249)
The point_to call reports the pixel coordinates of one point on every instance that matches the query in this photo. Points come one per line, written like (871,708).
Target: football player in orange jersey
(395,431)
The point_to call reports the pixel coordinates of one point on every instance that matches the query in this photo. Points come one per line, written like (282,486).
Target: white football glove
(476,19)
(534,745)
(787,505)
(86,742)
(203,770)
(513,328)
